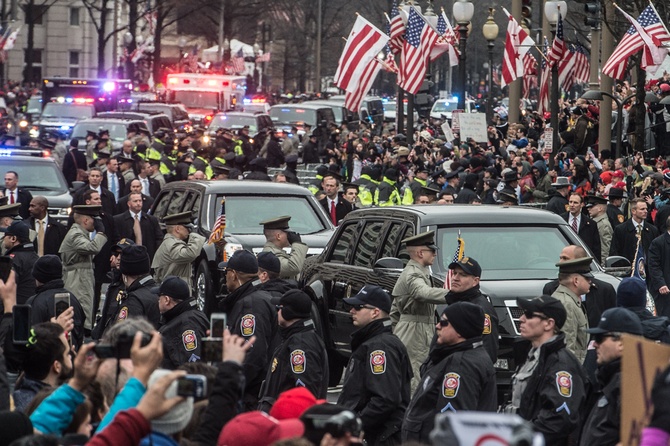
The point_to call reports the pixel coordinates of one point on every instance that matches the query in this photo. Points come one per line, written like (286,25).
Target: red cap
(292,403)
(618,174)
(258,429)
(606,177)
(664,87)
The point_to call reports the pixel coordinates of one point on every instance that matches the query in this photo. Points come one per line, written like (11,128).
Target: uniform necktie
(137,230)
(574,224)
(333,216)
(11,197)
(40,238)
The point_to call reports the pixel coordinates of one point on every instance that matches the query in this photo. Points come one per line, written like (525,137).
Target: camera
(120,350)
(337,425)
(192,386)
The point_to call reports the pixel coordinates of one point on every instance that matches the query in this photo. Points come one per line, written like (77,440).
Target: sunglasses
(443,323)
(600,337)
(530,315)
(360,307)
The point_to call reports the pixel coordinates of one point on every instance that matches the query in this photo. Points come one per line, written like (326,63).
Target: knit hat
(467,318)
(14,425)
(295,304)
(258,429)
(269,262)
(632,292)
(292,403)
(391,174)
(48,268)
(178,417)
(135,260)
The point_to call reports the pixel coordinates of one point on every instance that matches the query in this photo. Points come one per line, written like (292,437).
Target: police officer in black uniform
(137,300)
(458,374)
(558,203)
(377,382)
(614,214)
(549,389)
(250,313)
(301,358)
(184,324)
(23,255)
(269,267)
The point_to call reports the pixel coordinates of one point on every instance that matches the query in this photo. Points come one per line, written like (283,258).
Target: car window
(392,240)
(244,213)
(402,252)
(505,253)
(368,244)
(162,205)
(36,176)
(342,250)
(176,202)
(192,203)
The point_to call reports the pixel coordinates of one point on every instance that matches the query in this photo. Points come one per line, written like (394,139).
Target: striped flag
(390,64)
(529,74)
(364,43)
(8,43)
(582,67)
(447,42)
(543,99)
(265,57)
(420,39)
(517,44)
(458,255)
(396,29)
(566,68)
(558,47)
(633,41)
(219,225)
(353,99)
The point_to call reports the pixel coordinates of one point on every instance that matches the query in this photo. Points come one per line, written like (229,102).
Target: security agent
(22,251)
(603,423)
(549,388)
(615,198)
(268,275)
(377,381)
(457,375)
(137,300)
(278,236)
(184,325)
(301,359)
(180,247)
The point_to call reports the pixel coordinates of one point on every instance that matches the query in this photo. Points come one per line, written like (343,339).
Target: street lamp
(463,11)
(551,10)
(181,43)
(597,95)
(490,31)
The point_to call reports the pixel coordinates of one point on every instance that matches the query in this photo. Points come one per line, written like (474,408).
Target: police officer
(558,203)
(8,212)
(615,198)
(179,249)
(377,381)
(268,275)
(367,186)
(137,300)
(250,314)
(458,374)
(413,310)
(301,359)
(77,252)
(22,252)
(387,193)
(184,325)
(315,184)
(278,237)
(114,294)
(549,388)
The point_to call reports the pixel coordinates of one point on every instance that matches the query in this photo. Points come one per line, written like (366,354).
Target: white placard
(548,140)
(473,125)
(448,134)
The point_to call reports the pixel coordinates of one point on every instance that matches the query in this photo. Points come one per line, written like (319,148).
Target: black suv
(247,204)
(257,122)
(153,120)
(516,247)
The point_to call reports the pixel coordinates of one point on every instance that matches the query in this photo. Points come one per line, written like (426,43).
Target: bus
(104,94)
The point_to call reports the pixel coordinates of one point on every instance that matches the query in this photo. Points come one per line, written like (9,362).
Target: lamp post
(463,11)
(551,10)
(181,44)
(597,95)
(490,31)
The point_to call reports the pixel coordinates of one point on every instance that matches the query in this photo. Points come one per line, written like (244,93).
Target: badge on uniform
(298,361)
(248,325)
(487,324)
(189,340)
(564,383)
(378,362)
(620,218)
(274,364)
(451,384)
(567,208)
(123,314)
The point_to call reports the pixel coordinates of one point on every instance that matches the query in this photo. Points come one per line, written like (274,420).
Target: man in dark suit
(150,233)
(16,195)
(112,179)
(150,186)
(95,182)
(335,206)
(50,233)
(135,186)
(624,240)
(72,161)
(587,229)
(658,263)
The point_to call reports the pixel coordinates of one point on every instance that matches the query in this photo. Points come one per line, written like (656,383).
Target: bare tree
(34,12)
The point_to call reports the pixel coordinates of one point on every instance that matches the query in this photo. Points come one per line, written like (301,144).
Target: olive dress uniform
(291,264)
(174,256)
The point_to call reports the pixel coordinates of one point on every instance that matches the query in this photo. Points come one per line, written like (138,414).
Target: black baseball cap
(18,229)
(469,265)
(174,287)
(242,261)
(371,295)
(618,319)
(547,305)
(269,262)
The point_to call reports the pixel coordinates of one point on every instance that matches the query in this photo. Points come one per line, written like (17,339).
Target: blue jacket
(55,412)
(128,397)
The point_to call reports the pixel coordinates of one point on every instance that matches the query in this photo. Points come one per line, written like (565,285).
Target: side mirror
(389,263)
(617,262)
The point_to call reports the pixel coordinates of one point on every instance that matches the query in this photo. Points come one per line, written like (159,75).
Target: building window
(74,64)
(36,13)
(37,63)
(74,16)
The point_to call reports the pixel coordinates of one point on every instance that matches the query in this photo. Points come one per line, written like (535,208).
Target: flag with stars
(420,38)
(558,48)
(517,44)
(447,42)
(396,29)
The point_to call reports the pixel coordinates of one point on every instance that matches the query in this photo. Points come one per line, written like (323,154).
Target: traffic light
(592,18)
(526,10)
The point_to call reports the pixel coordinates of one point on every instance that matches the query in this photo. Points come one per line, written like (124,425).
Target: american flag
(353,99)
(265,57)
(632,42)
(8,43)
(558,47)
(389,63)
(582,69)
(517,44)
(566,68)
(447,42)
(458,255)
(220,225)
(419,41)
(543,100)
(396,29)
(529,74)
(364,43)
(237,62)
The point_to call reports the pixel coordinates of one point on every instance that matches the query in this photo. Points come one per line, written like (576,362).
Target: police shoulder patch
(123,314)
(274,364)
(378,362)
(487,324)
(564,383)
(451,384)
(298,361)
(620,218)
(189,340)
(567,208)
(248,325)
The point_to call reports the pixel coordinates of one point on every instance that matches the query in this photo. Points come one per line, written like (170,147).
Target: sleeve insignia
(298,361)
(123,314)
(274,364)
(567,208)
(378,362)
(487,324)
(564,383)
(248,325)
(620,218)
(451,384)
(189,339)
